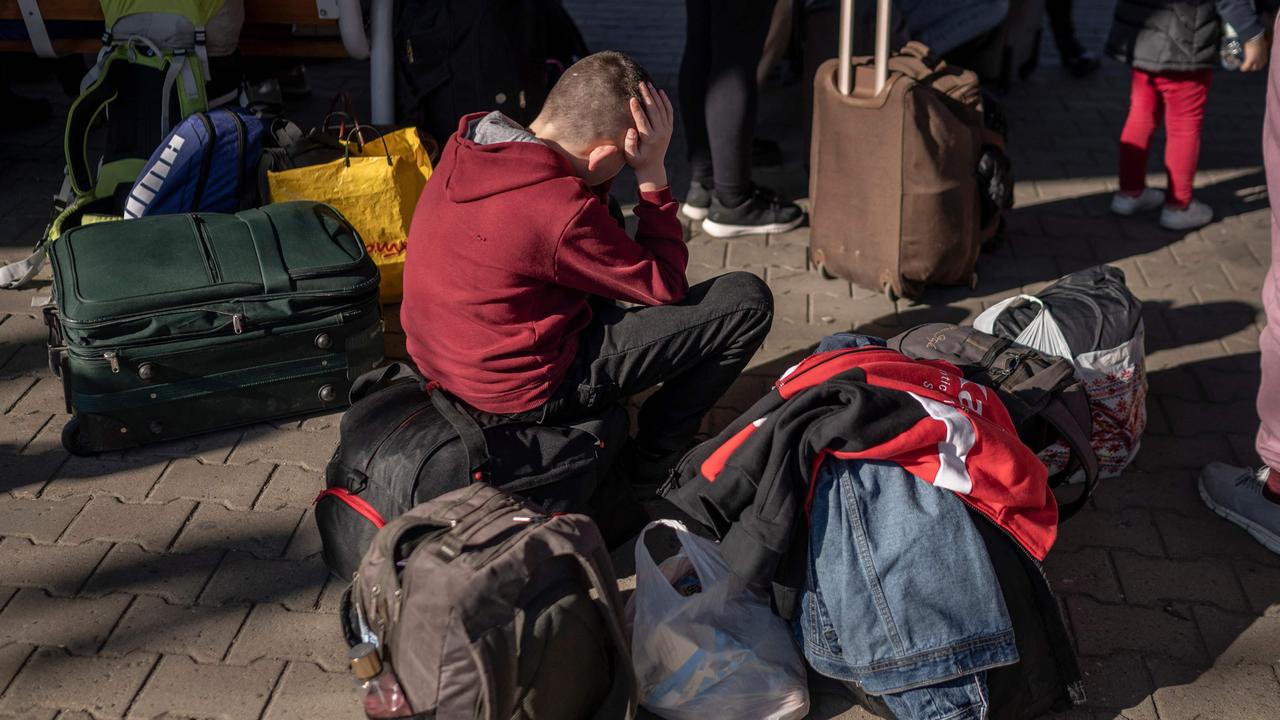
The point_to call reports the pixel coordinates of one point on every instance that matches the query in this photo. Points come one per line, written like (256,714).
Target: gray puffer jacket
(1177,35)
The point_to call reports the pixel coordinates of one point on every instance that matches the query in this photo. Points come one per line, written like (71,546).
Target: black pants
(718,93)
(695,349)
(1064,29)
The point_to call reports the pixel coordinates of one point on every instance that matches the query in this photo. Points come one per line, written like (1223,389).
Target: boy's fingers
(637,114)
(640,116)
(666,104)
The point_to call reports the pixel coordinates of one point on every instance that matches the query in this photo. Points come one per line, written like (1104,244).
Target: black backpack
(1045,400)
(405,441)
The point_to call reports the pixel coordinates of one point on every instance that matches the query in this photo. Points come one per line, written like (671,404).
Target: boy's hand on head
(1255,54)
(646,144)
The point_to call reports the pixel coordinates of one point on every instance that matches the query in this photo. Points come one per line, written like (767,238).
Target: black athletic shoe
(696,202)
(760,214)
(1080,63)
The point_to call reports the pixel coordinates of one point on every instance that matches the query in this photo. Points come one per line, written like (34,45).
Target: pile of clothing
(898,521)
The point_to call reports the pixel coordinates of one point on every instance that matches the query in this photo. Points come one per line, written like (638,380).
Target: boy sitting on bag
(512,245)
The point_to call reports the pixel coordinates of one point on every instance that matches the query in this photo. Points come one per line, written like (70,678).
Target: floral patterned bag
(1091,319)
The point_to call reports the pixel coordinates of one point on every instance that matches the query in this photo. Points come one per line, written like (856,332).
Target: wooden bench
(272,28)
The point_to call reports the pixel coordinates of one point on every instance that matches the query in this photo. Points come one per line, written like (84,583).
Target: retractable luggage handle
(844,77)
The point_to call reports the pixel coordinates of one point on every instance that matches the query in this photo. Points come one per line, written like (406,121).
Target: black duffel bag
(405,441)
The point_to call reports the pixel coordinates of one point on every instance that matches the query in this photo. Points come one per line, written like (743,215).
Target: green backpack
(150,74)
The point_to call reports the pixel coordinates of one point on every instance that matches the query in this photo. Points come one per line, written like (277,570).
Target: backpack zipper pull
(237,323)
(112,359)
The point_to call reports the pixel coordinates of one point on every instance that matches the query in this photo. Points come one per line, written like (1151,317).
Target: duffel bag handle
(468,430)
(844,76)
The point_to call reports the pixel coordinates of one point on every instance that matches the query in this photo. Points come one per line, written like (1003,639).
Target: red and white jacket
(752,483)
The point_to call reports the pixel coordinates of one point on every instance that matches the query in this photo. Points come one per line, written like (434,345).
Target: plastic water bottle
(1232,50)
(383,697)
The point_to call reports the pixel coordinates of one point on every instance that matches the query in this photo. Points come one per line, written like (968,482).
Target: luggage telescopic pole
(844,76)
(882,44)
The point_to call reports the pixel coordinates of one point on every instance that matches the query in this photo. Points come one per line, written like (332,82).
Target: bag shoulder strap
(84,110)
(584,543)
(468,430)
(1082,455)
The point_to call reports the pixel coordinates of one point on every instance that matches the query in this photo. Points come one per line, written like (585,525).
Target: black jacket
(750,485)
(1177,35)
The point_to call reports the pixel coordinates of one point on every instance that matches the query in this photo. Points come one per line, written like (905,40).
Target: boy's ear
(599,154)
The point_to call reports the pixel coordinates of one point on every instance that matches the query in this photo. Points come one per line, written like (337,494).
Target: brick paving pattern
(184,579)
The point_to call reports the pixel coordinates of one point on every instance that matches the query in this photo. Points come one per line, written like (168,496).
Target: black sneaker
(697,202)
(760,214)
(1081,63)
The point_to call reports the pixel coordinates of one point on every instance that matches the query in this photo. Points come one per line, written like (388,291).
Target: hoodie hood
(492,154)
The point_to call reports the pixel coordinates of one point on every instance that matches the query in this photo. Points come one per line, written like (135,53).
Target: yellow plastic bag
(376,187)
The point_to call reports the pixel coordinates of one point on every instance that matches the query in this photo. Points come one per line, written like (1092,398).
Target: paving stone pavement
(184,579)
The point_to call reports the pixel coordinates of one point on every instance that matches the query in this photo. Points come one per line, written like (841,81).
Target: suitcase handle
(844,78)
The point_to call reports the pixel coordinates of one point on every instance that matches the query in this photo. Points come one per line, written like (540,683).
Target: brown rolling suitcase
(894,190)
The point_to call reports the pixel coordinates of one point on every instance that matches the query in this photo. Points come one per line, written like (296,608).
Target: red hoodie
(507,246)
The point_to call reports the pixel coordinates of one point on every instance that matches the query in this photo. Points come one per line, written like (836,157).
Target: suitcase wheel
(889,294)
(71,438)
(825,273)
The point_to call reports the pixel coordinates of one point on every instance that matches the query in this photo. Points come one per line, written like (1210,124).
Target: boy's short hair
(591,101)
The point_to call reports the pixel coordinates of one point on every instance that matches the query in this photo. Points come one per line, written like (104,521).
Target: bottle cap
(365,662)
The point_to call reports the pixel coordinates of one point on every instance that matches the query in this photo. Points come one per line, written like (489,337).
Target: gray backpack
(485,607)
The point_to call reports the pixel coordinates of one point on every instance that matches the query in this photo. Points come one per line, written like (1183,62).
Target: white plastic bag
(1042,333)
(719,652)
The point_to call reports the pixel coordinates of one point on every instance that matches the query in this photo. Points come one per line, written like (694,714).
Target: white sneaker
(1126,205)
(1195,215)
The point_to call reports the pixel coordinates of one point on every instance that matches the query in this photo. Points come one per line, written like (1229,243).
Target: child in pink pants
(1246,497)
(1173,47)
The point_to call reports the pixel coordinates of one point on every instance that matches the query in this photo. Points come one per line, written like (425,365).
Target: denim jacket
(901,594)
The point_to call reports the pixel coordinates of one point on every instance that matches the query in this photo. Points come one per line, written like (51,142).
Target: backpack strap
(596,566)
(621,700)
(37,33)
(1083,456)
(81,116)
(189,80)
(206,161)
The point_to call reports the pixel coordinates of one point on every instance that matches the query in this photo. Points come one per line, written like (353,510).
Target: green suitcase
(171,325)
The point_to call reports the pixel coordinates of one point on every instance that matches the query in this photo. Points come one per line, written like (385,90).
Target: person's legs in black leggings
(695,348)
(738,30)
(695,69)
(1064,32)
(1075,58)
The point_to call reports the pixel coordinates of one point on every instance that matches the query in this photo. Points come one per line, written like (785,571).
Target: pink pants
(1180,98)
(1268,442)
